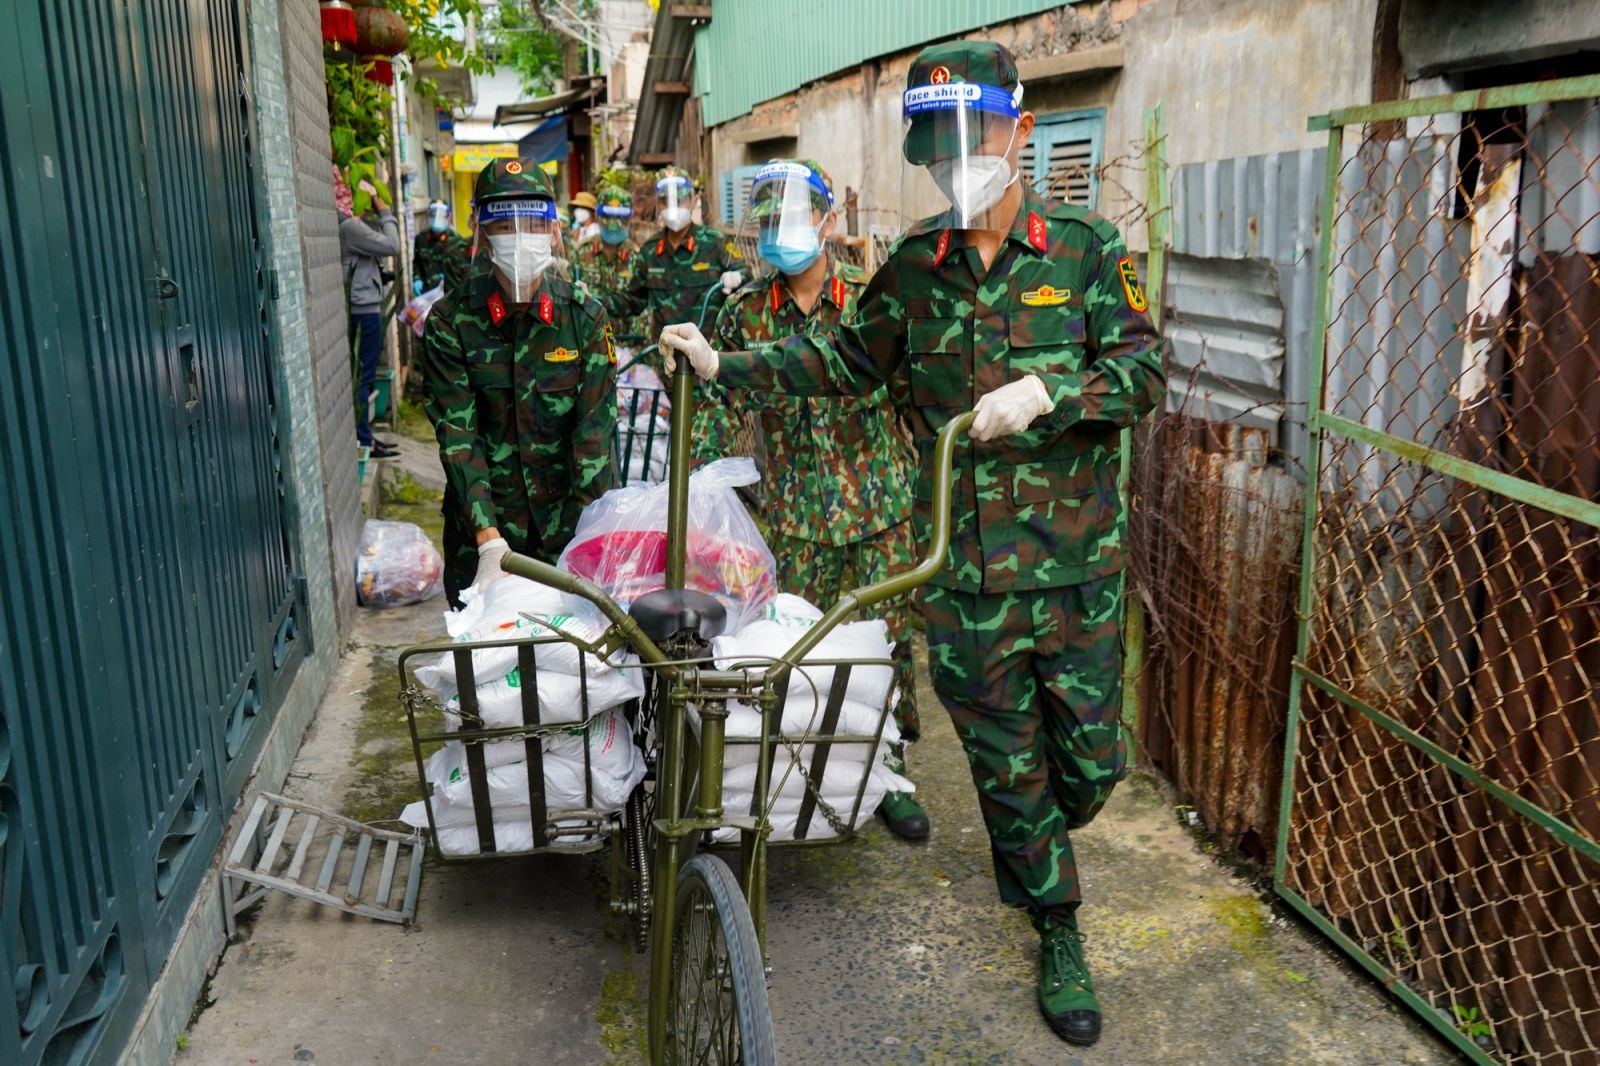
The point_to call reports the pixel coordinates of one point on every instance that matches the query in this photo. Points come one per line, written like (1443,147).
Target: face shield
(675,202)
(521,240)
(438,216)
(614,218)
(788,209)
(959,151)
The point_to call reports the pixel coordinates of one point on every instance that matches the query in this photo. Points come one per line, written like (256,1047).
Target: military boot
(1066,994)
(900,811)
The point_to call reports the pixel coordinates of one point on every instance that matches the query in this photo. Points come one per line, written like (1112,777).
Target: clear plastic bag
(415,313)
(397,565)
(621,542)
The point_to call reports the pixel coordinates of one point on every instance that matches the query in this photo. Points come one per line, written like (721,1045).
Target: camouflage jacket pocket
(937,361)
(1047,340)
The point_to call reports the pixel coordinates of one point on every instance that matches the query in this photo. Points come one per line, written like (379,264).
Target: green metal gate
(1441,805)
(151,622)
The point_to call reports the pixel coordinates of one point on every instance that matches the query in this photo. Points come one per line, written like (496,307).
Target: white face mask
(580,215)
(675,218)
(522,257)
(978,186)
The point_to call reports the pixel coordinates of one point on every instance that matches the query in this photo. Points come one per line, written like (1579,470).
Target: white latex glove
(686,337)
(731,280)
(1010,408)
(490,552)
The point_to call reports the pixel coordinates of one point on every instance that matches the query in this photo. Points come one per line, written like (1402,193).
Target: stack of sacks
(644,425)
(615,769)
(510,609)
(514,608)
(869,692)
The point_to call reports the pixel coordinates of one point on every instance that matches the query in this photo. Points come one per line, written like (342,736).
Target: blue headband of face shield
(495,210)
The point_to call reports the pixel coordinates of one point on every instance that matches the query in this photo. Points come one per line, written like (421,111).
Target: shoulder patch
(941,248)
(1130,284)
(497,308)
(1038,233)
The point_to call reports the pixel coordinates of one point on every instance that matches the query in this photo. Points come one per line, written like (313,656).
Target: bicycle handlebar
(899,584)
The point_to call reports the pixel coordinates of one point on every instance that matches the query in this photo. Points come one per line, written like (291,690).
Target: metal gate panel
(1441,807)
(147,564)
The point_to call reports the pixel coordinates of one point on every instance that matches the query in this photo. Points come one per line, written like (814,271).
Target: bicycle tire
(717,966)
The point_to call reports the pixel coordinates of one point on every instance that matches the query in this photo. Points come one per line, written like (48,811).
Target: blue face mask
(786,257)
(438,223)
(613,236)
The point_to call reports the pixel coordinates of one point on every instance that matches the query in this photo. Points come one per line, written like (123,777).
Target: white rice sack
(615,767)
(765,640)
(560,697)
(792,611)
(501,612)
(841,778)
(855,719)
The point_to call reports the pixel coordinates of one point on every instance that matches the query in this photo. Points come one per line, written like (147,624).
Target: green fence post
(1156,222)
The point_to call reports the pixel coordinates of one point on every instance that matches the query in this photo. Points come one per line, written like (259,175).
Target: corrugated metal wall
(152,623)
(1217,487)
(755,50)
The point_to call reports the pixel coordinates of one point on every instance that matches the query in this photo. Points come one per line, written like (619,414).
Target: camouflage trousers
(716,424)
(1033,683)
(818,573)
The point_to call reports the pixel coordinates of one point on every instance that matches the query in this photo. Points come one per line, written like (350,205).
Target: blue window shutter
(727,197)
(1063,157)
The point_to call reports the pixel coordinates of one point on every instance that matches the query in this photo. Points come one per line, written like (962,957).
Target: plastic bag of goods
(644,425)
(621,542)
(768,639)
(415,312)
(396,565)
(516,608)
(615,768)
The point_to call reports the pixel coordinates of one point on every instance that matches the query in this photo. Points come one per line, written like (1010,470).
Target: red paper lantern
(380,32)
(338,23)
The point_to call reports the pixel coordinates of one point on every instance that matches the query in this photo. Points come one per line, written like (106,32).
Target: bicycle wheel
(720,1015)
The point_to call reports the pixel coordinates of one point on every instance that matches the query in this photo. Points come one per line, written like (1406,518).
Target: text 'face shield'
(960,138)
(521,238)
(788,207)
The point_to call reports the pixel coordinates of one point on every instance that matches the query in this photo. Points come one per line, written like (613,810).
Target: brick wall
(325,322)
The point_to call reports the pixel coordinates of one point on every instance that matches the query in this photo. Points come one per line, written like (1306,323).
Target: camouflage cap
(507,178)
(765,197)
(984,64)
(614,203)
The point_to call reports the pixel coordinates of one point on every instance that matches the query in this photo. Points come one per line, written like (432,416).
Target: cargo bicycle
(703,925)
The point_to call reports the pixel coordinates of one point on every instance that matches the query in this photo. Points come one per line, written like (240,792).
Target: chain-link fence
(1443,805)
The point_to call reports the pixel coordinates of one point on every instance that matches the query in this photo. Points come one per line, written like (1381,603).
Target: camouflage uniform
(838,486)
(439,257)
(671,285)
(523,399)
(1023,619)
(603,269)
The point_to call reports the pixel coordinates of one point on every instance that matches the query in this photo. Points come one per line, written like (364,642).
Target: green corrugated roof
(755,50)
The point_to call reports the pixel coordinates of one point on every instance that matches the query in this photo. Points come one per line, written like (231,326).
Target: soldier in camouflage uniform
(839,472)
(520,386)
(439,253)
(603,265)
(1036,318)
(672,277)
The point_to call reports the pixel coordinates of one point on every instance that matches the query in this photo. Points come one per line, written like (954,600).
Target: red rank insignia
(1038,236)
(942,247)
(689,244)
(661,246)
(497,308)
(547,308)
(838,291)
(777,298)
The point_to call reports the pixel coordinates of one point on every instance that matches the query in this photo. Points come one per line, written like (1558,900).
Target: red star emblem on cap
(940,75)
(513,167)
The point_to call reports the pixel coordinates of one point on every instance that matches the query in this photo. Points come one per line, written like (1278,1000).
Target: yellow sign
(1046,296)
(474,157)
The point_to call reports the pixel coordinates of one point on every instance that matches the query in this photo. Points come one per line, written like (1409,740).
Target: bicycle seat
(667,612)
